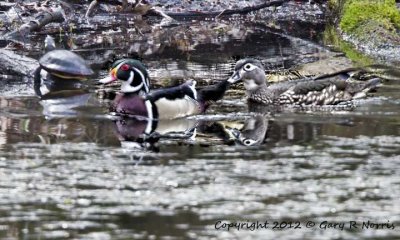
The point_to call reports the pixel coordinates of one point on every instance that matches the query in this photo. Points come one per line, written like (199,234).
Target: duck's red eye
(125,67)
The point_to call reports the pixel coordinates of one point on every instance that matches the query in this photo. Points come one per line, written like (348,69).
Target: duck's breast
(130,105)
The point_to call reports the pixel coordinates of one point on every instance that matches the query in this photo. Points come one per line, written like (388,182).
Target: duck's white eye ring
(248,67)
(248,142)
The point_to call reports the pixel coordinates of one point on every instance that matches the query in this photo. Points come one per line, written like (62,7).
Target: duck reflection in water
(285,129)
(253,132)
(148,134)
(144,133)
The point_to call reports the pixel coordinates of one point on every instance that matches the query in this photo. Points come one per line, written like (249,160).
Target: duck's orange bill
(110,78)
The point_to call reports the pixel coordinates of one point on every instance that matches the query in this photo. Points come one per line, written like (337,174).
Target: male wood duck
(144,133)
(319,91)
(133,75)
(135,98)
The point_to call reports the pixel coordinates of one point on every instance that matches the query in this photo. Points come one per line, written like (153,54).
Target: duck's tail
(369,86)
(372,84)
(213,93)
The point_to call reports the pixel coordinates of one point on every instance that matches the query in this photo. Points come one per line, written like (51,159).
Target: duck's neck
(252,87)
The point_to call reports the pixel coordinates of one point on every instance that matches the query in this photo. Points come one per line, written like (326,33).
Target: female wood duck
(166,103)
(326,90)
(253,132)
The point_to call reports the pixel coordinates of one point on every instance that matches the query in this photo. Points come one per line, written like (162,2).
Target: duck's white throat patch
(250,85)
(126,85)
(145,82)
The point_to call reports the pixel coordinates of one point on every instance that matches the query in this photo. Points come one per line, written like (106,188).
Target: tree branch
(225,12)
(41,20)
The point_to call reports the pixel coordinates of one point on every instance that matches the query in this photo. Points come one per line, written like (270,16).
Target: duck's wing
(186,89)
(319,86)
(317,92)
(175,102)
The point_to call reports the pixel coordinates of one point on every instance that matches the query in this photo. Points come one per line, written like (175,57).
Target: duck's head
(251,72)
(253,132)
(133,75)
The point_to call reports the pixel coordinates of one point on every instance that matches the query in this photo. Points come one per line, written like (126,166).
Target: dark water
(73,173)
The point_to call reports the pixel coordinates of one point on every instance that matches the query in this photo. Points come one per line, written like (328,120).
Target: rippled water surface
(75,173)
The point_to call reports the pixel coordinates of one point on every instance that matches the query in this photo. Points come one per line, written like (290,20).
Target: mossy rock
(370,27)
(376,33)
(333,38)
(357,12)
